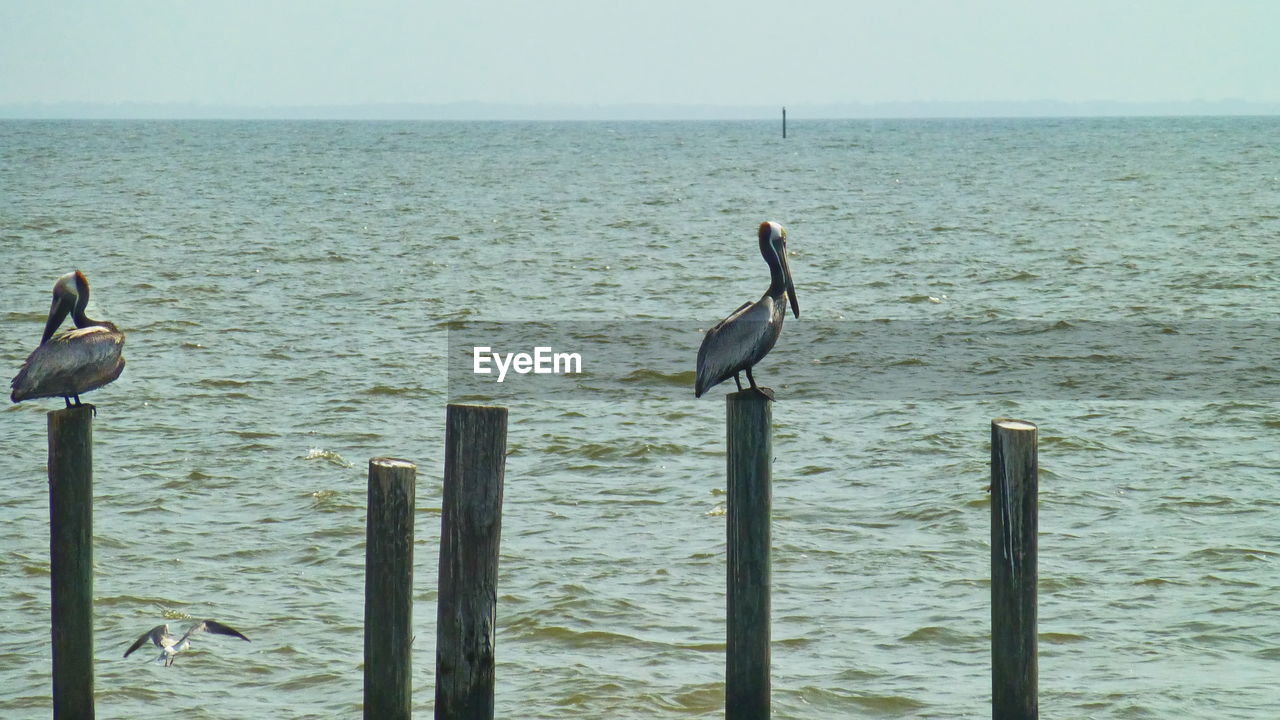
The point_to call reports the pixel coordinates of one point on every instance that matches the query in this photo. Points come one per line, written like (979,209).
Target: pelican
(72,362)
(170,645)
(741,340)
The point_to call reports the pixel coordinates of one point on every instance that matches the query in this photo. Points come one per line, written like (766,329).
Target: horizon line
(482,110)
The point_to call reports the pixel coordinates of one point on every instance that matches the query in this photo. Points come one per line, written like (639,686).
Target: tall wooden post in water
(388,590)
(71,560)
(750,457)
(1014,523)
(475,458)
(784,122)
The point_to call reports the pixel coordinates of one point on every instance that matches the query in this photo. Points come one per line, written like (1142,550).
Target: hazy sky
(685,52)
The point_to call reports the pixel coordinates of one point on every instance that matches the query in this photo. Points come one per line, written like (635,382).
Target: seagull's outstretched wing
(215,627)
(156,635)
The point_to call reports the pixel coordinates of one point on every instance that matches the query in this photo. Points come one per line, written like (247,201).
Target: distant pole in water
(388,590)
(71,560)
(749,434)
(475,457)
(784,122)
(1014,523)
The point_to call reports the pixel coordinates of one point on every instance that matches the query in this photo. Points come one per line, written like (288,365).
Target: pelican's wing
(735,343)
(215,627)
(94,352)
(732,316)
(155,635)
(71,363)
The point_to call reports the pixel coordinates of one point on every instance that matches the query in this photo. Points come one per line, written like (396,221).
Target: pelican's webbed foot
(93,408)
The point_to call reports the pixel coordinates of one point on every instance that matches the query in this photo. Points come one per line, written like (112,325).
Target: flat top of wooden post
(1011,424)
(74,410)
(392,462)
(477,408)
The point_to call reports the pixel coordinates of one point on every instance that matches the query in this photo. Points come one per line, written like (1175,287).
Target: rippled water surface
(286,289)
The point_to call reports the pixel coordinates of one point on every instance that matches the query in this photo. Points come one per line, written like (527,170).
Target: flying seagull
(170,645)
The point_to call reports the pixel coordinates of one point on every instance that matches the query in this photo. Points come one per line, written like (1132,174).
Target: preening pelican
(739,341)
(72,362)
(170,645)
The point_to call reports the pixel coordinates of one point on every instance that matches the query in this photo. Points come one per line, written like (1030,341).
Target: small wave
(314,680)
(1234,553)
(814,470)
(644,449)
(253,435)
(129,600)
(698,699)
(594,451)
(1053,638)
(221,383)
(935,635)
(646,376)
(328,456)
(1020,276)
(887,705)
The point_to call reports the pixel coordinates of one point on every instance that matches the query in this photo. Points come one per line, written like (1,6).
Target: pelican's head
(66,293)
(773,246)
(81,284)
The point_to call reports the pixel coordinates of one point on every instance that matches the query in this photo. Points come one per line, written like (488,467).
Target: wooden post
(470,527)
(388,590)
(71,560)
(784,122)
(1014,523)
(750,458)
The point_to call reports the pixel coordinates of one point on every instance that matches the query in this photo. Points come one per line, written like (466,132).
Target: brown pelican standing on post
(741,340)
(72,362)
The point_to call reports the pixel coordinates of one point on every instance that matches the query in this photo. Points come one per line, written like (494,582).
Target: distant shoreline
(631,112)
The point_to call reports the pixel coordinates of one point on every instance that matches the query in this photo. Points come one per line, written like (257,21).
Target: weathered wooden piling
(470,529)
(71,560)
(750,457)
(784,123)
(388,590)
(1014,523)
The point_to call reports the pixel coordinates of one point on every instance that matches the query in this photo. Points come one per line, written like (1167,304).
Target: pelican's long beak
(786,274)
(63,302)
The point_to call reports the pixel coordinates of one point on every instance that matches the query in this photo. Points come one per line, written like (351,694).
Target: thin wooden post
(749,433)
(470,529)
(71,560)
(388,590)
(784,123)
(1014,523)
